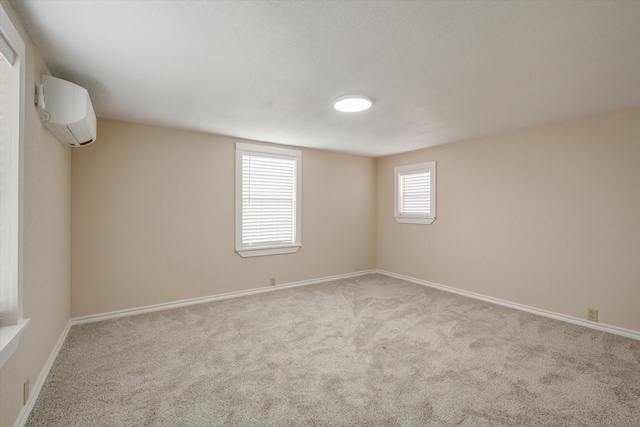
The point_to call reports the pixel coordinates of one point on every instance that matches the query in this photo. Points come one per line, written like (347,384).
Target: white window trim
(414,218)
(10,334)
(246,251)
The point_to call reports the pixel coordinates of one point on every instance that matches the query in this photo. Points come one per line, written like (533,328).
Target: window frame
(410,170)
(267,150)
(12,204)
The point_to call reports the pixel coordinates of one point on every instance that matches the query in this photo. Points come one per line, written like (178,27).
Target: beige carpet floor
(371,350)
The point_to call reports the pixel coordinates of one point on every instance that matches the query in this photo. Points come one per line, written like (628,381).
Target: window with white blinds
(267,200)
(415,193)
(12,111)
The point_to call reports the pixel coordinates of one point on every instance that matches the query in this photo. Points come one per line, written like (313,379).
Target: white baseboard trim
(37,386)
(201,300)
(569,319)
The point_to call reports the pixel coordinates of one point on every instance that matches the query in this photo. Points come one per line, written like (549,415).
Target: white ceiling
(439,72)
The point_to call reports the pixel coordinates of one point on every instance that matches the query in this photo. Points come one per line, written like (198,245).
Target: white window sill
(276,250)
(414,220)
(9,337)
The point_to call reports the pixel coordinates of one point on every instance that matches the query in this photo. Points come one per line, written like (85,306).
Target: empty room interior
(320,213)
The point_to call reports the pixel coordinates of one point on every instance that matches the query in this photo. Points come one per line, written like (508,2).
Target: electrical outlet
(25,391)
(592,314)
(272,281)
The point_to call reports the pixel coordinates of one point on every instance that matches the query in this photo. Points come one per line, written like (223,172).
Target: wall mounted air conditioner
(66,110)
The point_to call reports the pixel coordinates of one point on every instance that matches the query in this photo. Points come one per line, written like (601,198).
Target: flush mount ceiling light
(352,103)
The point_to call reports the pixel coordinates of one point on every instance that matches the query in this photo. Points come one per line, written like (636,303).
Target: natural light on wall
(12,77)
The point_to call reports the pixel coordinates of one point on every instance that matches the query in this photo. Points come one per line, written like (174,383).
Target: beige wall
(47,243)
(546,217)
(153,219)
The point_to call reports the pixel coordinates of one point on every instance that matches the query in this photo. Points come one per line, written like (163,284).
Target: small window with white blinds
(415,191)
(267,200)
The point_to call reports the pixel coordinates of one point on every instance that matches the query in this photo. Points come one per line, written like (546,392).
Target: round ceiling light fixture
(352,103)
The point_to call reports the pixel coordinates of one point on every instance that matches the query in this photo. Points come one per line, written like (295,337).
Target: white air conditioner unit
(66,110)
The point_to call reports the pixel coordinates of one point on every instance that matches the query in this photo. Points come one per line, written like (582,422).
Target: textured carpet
(371,350)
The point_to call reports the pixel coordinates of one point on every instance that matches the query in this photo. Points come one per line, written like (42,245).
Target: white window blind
(12,112)
(415,193)
(267,200)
